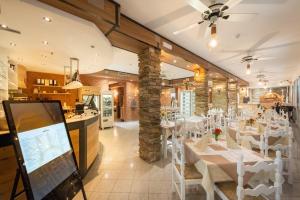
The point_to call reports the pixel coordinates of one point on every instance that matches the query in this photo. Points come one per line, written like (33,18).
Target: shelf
(50,86)
(59,93)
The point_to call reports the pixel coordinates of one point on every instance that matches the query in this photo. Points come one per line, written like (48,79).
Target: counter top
(82,117)
(4,132)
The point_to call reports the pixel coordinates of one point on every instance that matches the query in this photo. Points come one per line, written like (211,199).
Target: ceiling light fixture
(174,61)
(47,19)
(4,26)
(72,80)
(45,42)
(248,71)
(213,42)
(12,44)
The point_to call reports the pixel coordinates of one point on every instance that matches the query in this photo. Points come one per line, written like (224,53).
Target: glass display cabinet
(107,109)
(187,103)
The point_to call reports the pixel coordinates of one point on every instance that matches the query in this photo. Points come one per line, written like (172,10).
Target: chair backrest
(202,128)
(278,133)
(261,189)
(253,142)
(180,127)
(178,153)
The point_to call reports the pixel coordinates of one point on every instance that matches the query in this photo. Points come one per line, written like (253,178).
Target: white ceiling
(67,36)
(275,29)
(126,61)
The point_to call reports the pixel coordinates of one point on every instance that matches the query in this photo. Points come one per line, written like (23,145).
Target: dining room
(161,100)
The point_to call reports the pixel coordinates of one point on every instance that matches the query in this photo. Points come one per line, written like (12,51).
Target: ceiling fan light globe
(213,42)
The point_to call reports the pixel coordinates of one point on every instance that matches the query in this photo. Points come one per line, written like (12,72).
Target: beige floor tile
(134,196)
(122,186)
(139,186)
(118,196)
(104,186)
(110,174)
(99,196)
(158,196)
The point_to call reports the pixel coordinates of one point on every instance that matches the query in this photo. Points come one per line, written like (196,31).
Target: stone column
(232,96)
(201,93)
(149,104)
(219,94)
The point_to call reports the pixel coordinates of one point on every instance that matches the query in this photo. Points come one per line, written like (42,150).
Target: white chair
(182,174)
(286,149)
(233,191)
(253,143)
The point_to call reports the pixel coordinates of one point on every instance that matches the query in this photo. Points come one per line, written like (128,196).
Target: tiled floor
(121,174)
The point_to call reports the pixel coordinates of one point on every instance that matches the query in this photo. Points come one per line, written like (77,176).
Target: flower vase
(216,137)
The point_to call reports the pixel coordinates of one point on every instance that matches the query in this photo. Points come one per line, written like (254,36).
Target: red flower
(217,131)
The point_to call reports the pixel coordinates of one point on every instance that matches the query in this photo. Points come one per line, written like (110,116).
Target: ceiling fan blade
(225,7)
(10,30)
(198,5)
(186,28)
(265,58)
(264,2)
(232,51)
(226,17)
(263,40)
(240,17)
(231,3)
(279,46)
(170,17)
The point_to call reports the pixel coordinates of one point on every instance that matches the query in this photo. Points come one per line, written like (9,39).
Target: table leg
(165,144)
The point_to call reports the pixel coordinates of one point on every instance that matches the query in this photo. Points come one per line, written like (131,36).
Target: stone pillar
(232,97)
(219,94)
(149,104)
(201,93)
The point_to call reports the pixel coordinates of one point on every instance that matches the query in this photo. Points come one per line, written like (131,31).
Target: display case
(187,103)
(107,110)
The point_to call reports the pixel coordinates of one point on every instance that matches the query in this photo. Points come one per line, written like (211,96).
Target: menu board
(44,145)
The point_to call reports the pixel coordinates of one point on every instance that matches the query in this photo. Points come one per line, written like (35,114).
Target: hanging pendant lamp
(74,82)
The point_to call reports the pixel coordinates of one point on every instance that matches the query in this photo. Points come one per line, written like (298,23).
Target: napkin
(231,144)
(202,144)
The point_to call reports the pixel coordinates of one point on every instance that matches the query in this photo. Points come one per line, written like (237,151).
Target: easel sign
(43,149)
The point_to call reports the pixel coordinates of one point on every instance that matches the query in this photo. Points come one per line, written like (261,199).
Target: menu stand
(13,194)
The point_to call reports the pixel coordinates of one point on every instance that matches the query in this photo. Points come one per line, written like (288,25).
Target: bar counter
(84,133)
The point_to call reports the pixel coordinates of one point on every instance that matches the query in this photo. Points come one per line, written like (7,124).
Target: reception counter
(84,133)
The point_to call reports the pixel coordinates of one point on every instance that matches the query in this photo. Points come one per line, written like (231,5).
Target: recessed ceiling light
(45,42)
(47,19)
(4,26)
(12,44)
(174,61)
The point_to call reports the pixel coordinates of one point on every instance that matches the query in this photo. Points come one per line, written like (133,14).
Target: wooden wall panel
(92,142)
(74,134)
(70,99)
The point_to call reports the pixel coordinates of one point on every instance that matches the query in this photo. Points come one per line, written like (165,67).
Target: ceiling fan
(4,27)
(250,59)
(211,14)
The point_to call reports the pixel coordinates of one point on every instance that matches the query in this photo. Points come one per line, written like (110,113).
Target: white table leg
(165,144)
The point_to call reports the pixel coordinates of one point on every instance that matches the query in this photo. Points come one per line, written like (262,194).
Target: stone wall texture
(149,105)
(219,94)
(201,93)
(232,96)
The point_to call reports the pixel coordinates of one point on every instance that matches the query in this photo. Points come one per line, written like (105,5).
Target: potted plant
(216,133)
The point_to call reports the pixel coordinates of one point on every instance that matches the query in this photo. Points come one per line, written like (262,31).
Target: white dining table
(192,123)
(217,163)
